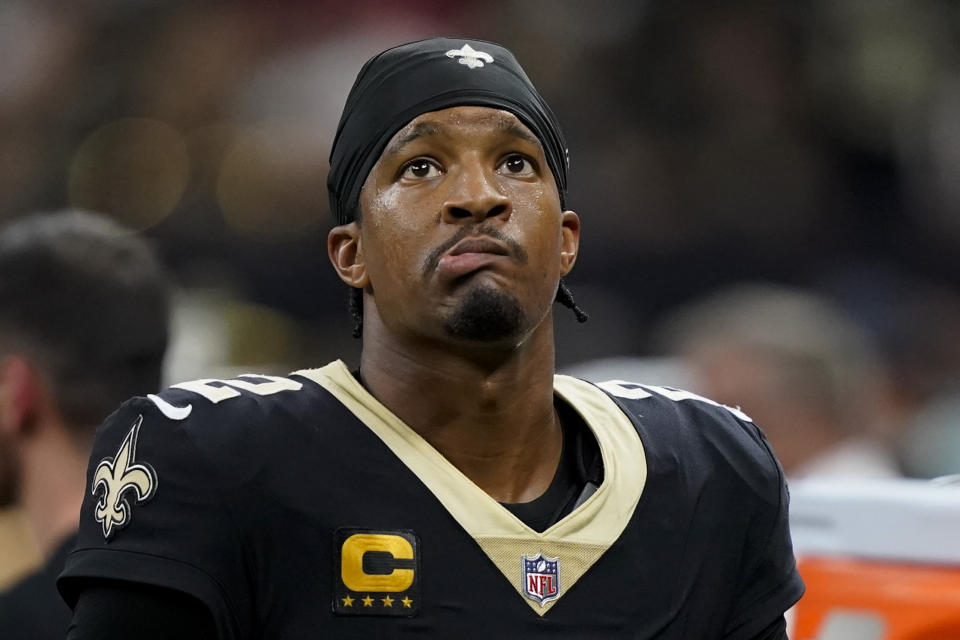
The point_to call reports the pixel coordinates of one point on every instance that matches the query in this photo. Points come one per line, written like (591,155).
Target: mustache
(516,252)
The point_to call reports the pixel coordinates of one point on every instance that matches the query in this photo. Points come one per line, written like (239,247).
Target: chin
(486,315)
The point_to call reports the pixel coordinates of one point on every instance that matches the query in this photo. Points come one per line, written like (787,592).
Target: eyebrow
(425,129)
(419,130)
(518,130)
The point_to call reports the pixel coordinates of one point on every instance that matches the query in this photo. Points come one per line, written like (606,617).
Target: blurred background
(770,191)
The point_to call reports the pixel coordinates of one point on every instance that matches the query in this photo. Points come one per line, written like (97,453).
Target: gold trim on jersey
(578,540)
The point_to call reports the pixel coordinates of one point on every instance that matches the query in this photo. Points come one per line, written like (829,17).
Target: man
(799,366)
(451,485)
(83,325)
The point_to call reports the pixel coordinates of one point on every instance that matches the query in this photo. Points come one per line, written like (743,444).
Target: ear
(570,241)
(19,394)
(346,254)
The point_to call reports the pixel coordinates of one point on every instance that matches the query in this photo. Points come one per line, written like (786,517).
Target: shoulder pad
(636,391)
(676,424)
(178,402)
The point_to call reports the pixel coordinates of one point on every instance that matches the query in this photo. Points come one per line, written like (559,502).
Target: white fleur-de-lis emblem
(117,476)
(473,59)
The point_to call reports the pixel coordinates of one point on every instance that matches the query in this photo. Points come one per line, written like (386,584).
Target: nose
(475,196)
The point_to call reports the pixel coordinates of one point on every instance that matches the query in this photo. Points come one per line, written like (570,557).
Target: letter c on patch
(351,566)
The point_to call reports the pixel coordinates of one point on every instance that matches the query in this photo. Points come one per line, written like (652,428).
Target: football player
(451,484)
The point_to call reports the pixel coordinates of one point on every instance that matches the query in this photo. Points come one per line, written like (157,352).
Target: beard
(486,315)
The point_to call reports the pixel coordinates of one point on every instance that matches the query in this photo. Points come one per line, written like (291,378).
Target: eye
(517,165)
(420,168)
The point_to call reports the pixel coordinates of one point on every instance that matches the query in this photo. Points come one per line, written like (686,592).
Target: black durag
(404,82)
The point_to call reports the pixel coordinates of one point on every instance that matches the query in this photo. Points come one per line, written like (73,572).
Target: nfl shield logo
(541,578)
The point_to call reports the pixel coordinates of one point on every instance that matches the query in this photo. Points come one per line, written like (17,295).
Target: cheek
(392,239)
(536,199)
(383,205)
(539,219)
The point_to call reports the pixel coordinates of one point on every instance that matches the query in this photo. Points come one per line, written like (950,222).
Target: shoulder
(680,427)
(225,409)
(711,469)
(666,409)
(32,608)
(246,399)
(226,428)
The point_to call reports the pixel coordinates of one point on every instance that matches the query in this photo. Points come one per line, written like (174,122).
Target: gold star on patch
(388,601)
(348,601)
(407,602)
(367,601)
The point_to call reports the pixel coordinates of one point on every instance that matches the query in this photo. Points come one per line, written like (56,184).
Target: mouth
(470,255)
(478,245)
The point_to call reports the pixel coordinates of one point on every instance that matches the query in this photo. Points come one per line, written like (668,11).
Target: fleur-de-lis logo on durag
(468,56)
(118,476)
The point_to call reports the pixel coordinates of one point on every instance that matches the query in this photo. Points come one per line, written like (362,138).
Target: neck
(489,412)
(52,485)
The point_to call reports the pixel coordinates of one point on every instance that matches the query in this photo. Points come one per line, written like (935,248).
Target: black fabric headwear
(404,82)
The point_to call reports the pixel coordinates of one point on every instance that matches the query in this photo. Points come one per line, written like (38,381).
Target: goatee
(486,315)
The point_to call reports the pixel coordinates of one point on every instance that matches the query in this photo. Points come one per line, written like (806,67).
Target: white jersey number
(634,391)
(216,391)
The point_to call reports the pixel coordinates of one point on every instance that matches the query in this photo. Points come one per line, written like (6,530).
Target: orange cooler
(881,560)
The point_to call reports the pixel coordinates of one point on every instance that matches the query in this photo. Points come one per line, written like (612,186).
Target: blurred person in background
(799,367)
(451,484)
(915,322)
(83,325)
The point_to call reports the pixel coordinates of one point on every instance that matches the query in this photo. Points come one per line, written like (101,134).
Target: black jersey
(32,608)
(300,507)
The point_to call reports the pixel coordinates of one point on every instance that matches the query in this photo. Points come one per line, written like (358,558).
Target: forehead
(461,122)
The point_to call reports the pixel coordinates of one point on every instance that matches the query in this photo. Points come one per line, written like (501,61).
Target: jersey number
(216,390)
(634,391)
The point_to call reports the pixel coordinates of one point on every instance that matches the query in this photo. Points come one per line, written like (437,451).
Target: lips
(478,245)
(469,255)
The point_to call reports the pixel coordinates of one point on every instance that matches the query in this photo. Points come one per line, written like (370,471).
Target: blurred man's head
(797,365)
(84,308)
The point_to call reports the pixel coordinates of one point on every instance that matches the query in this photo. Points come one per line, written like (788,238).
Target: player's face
(462,231)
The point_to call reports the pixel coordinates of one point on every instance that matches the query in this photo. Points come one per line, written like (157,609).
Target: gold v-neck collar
(577,541)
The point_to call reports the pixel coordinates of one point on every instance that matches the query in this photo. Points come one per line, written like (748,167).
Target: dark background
(813,142)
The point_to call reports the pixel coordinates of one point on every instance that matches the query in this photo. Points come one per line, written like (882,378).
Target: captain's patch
(376,573)
(121,478)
